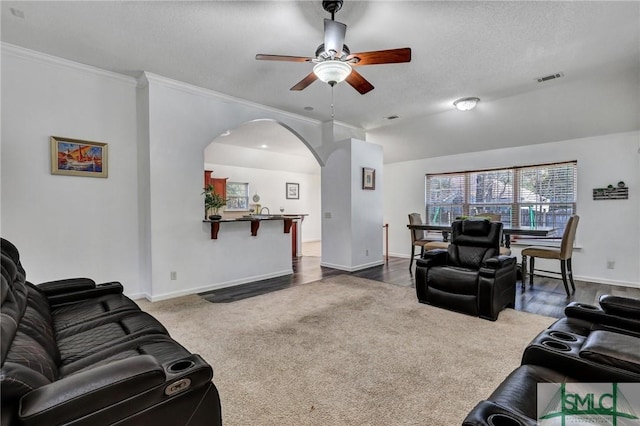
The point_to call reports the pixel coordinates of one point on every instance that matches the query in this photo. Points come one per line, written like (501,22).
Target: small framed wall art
(293,191)
(74,157)
(368,178)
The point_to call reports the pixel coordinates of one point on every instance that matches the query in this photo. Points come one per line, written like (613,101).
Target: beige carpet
(347,351)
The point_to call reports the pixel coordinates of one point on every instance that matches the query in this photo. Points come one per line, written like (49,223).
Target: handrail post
(386,242)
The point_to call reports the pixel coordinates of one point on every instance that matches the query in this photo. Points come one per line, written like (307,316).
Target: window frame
(514,204)
(244,197)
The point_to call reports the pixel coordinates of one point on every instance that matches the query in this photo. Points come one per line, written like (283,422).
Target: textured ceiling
(492,50)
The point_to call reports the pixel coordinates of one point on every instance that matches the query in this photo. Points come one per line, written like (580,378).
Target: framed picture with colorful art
(75,157)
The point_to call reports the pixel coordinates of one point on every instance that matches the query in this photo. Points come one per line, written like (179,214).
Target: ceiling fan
(334,62)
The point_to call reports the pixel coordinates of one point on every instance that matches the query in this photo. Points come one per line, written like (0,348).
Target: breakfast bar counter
(254,221)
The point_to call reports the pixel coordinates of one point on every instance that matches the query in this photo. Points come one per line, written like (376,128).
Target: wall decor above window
(76,157)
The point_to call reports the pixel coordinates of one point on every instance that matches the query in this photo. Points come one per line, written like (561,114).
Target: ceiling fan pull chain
(332,114)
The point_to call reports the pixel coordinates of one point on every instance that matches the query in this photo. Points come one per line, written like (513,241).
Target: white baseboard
(607,281)
(216,286)
(402,255)
(352,268)
(136,296)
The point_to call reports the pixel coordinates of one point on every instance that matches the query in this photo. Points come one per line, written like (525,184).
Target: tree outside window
(538,195)
(237,196)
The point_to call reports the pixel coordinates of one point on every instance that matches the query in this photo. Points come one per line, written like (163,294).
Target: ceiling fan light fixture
(466,104)
(332,72)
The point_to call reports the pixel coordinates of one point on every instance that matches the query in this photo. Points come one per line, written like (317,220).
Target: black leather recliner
(470,276)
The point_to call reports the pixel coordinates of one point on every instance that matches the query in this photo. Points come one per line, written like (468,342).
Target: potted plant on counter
(212,202)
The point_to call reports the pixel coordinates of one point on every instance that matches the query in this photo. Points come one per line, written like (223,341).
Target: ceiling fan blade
(305,82)
(334,33)
(358,82)
(392,56)
(262,57)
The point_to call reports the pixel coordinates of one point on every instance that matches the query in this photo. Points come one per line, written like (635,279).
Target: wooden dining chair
(562,253)
(418,237)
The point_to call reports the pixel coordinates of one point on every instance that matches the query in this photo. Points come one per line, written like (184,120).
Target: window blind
(536,195)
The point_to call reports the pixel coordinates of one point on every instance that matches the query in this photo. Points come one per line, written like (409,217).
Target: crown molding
(148,77)
(43,58)
(145,78)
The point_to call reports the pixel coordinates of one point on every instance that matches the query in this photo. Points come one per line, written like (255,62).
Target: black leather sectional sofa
(79,353)
(590,344)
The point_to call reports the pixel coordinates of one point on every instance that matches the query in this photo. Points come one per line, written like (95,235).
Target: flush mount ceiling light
(332,72)
(466,104)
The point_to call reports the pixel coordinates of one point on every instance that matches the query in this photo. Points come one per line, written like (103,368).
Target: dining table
(507,230)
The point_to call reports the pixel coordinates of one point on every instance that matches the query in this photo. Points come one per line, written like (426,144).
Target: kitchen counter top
(255,222)
(260,217)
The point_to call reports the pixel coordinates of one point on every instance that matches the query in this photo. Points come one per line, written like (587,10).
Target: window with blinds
(539,195)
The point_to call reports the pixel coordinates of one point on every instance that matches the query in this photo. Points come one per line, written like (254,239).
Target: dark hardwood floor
(546,297)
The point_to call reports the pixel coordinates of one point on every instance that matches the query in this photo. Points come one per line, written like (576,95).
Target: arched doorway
(260,161)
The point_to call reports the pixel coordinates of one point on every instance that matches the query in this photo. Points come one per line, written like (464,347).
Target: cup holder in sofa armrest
(561,335)
(501,419)
(583,311)
(554,344)
(180,366)
(192,366)
(185,374)
(616,312)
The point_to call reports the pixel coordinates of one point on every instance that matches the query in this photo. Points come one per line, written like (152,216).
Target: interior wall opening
(263,168)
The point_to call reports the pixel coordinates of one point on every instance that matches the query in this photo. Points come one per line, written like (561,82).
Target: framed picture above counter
(293,191)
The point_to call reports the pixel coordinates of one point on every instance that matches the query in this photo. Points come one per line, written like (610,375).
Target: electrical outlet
(174,275)
(366,252)
(327,215)
(611,264)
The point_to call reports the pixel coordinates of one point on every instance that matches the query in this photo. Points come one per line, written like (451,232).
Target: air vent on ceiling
(550,77)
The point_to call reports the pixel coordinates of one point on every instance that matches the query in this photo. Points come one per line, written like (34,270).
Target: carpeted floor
(347,351)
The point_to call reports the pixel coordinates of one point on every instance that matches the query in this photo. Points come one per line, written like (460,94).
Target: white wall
(352,217)
(336,208)
(607,229)
(366,205)
(233,155)
(562,109)
(141,223)
(183,120)
(68,226)
(270,186)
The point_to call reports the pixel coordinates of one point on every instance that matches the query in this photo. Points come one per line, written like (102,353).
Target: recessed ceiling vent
(550,77)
